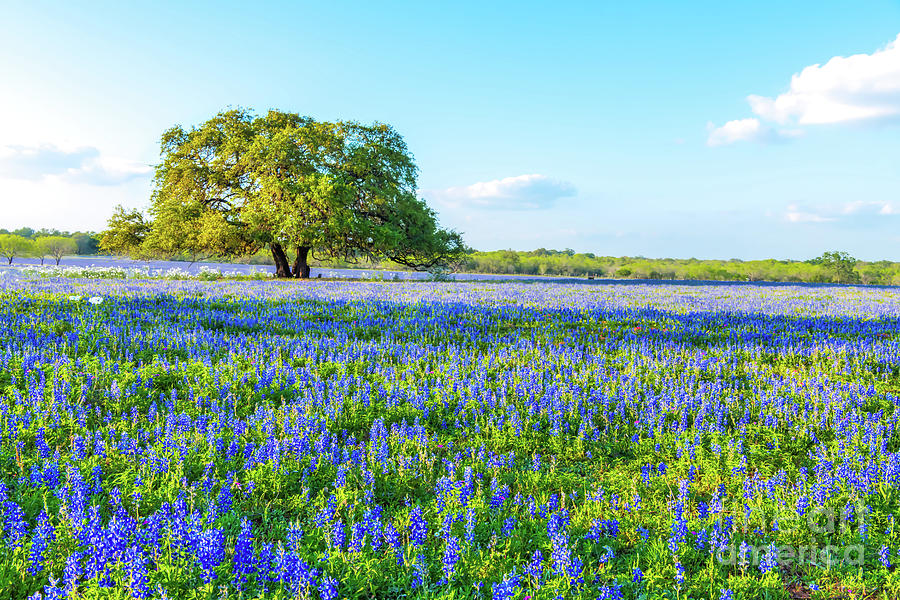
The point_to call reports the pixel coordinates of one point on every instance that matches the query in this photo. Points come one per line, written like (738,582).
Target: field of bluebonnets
(244,439)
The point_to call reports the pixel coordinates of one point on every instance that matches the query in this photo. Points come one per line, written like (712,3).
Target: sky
(658,129)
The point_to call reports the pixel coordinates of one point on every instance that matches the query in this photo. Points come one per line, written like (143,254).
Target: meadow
(324,439)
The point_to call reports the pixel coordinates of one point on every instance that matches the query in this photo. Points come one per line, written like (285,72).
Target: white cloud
(859,212)
(861,87)
(521,192)
(870,207)
(733,131)
(796,215)
(83,165)
(750,130)
(36,162)
(108,170)
(853,88)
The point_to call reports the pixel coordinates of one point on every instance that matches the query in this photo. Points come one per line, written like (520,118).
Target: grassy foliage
(569,263)
(283,442)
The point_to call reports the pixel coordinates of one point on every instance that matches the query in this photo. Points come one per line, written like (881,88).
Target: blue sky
(704,129)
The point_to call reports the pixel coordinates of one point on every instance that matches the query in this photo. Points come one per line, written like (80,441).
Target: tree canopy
(841,266)
(54,246)
(12,245)
(240,182)
(126,232)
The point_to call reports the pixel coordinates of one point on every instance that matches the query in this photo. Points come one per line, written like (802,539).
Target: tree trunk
(58,258)
(301,267)
(282,267)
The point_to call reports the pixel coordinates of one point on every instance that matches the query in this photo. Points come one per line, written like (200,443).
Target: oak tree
(240,182)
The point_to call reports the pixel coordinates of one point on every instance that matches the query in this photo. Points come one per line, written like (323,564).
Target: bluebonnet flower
(418,528)
(561,555)
(672,544)
(470,525)
(508,525)
(612,591)
(451,558)
(115,498)
(603,528)
(210,552)
(72,573)
(287,566)
(295,409)
(372,520)
(328,588)
(44,535)
(769,561)
(574,570)
(338,535)
(446,525)
(884,554)
(392,538)
(52,591)
(16,528)
(340,479)
(263,564)
(535,567)
(744,553)
(224,500)
(243,554)
(137,573)
(679,523)
(499,495)
(702,510)
(357,537)
(420,574)
(507,587)
(679,573)
(702,540)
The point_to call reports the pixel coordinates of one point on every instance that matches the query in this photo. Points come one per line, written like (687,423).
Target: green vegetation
(567,263)
(831,267)
(54,246)
(448,442)
(238,183)
(43,243)
(12,246)
(128,229)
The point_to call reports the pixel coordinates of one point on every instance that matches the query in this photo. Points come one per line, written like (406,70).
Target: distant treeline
(86,242)
(831,267)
